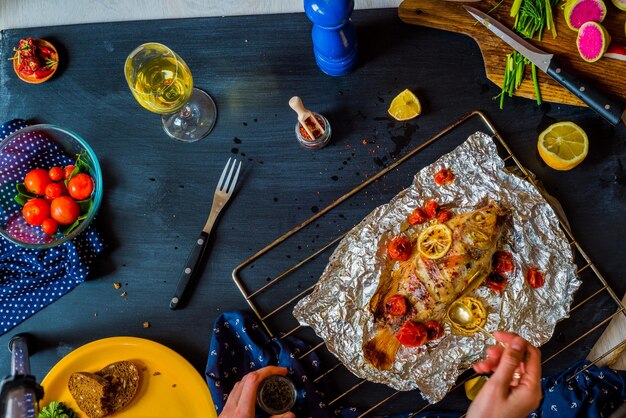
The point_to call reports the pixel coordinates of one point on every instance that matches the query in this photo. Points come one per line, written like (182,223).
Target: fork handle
(191,265)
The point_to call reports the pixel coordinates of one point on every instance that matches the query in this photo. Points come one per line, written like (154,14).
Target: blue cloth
(594,393)
(32,279)
(240,344)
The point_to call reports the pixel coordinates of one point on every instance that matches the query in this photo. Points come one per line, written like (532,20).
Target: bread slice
(123,378)
(91,393)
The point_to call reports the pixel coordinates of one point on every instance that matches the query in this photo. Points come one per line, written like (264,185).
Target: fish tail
(381,350)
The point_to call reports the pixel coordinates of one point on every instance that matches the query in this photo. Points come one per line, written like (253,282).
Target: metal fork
(223,192)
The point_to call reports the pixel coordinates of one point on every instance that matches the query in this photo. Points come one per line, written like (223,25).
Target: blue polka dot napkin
(32,279)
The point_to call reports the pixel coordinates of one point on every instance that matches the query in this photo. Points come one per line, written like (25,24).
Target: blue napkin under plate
(32,279)
(240,344)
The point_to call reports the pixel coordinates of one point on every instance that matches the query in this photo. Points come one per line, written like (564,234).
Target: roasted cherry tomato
(67,171)
(50,226)
(36,181)
(444,176)
(36,210)
(80,186)
(396,305)
(496,282)
(502,262)
(56,173)
(535,277)
(431,208)
(417,217)
(54,190)
(434,330)
(399,249)
(64,210)
(444,216)
(412,334)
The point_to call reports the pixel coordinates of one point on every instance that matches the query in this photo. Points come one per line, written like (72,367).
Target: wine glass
(161,82)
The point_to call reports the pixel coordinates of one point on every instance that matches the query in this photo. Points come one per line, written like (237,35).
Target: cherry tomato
(67,171)
(431,208)
(535,277)
(417,217)
(56,173)
(399,249)
(64,210)
(502,262)
(444,176)
(54,190)
(412,334)
(496,282)
(434,330)
(444,216)
(50,226)
(396,305)
(36,210)
(36,181)
(80,186)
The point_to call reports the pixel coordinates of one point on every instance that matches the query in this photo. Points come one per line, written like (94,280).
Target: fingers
(235,394)
(285,415)
(510,360)
(491,362)
(250,384)
(532,366)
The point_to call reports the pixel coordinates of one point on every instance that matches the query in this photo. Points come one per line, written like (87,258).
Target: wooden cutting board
(608,74)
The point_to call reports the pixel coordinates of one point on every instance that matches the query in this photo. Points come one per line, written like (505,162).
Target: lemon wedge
(435,241)
(473,386)
(405,106)
(563,145)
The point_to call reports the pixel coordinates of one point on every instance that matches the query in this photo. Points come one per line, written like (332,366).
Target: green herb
(56,410)
(531,18)
(23,195)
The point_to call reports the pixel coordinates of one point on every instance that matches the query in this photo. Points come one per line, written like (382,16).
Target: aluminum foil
(337,309)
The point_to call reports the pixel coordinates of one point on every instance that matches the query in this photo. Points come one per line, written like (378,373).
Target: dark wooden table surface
(157,192)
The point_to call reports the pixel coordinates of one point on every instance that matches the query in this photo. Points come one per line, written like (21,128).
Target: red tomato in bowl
(49,226)
(36,181)
(67,171)
(64,210)
(35,211)
(80,186)
(54,190)
(56,173)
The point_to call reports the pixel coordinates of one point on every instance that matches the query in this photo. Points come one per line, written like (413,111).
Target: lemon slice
(405,106)
(435,241)
(563,145)
(473,386)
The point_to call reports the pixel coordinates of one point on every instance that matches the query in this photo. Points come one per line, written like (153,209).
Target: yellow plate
(170,386)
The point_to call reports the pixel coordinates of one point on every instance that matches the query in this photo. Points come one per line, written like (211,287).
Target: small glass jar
(318,142)
(276,394)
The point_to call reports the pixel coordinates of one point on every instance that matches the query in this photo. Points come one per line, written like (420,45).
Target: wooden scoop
(306,118)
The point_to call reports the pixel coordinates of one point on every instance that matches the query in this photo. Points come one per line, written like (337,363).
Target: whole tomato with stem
(36,181)
(35,211)
(50,226)
(80,186)
(64,210)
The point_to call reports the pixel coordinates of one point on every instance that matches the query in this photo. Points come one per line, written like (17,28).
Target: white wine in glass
(162,83)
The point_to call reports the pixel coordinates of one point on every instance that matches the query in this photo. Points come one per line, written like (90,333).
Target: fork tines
(228,186)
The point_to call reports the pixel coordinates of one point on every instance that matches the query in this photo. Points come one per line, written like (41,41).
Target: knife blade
(609,108)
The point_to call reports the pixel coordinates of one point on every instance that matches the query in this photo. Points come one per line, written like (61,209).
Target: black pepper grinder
(276,395)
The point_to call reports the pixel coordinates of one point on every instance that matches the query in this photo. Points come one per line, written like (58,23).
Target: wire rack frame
(250,295)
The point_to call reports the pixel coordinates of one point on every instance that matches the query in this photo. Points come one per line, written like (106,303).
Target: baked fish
(427,269)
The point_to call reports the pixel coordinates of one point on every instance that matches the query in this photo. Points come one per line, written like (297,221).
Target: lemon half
(405,106)
(563,145)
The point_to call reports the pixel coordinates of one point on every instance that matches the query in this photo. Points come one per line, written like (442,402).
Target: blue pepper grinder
(334,36)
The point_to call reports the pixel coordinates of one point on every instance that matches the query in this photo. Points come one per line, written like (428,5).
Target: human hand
(242,399)
(498,398)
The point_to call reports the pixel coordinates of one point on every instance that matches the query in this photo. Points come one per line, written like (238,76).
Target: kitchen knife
(610,109)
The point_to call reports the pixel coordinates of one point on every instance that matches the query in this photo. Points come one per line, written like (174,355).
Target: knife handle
(610,109)
(192,264)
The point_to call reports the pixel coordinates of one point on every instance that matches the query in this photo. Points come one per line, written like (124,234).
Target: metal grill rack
(594,292)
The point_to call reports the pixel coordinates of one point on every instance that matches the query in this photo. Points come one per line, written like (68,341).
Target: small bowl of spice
(35,60)
(320,138)
(276,394)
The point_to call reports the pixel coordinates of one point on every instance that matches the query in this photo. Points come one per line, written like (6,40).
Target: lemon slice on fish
(435,241)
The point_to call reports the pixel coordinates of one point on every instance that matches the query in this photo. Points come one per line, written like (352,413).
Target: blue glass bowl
(40,146)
